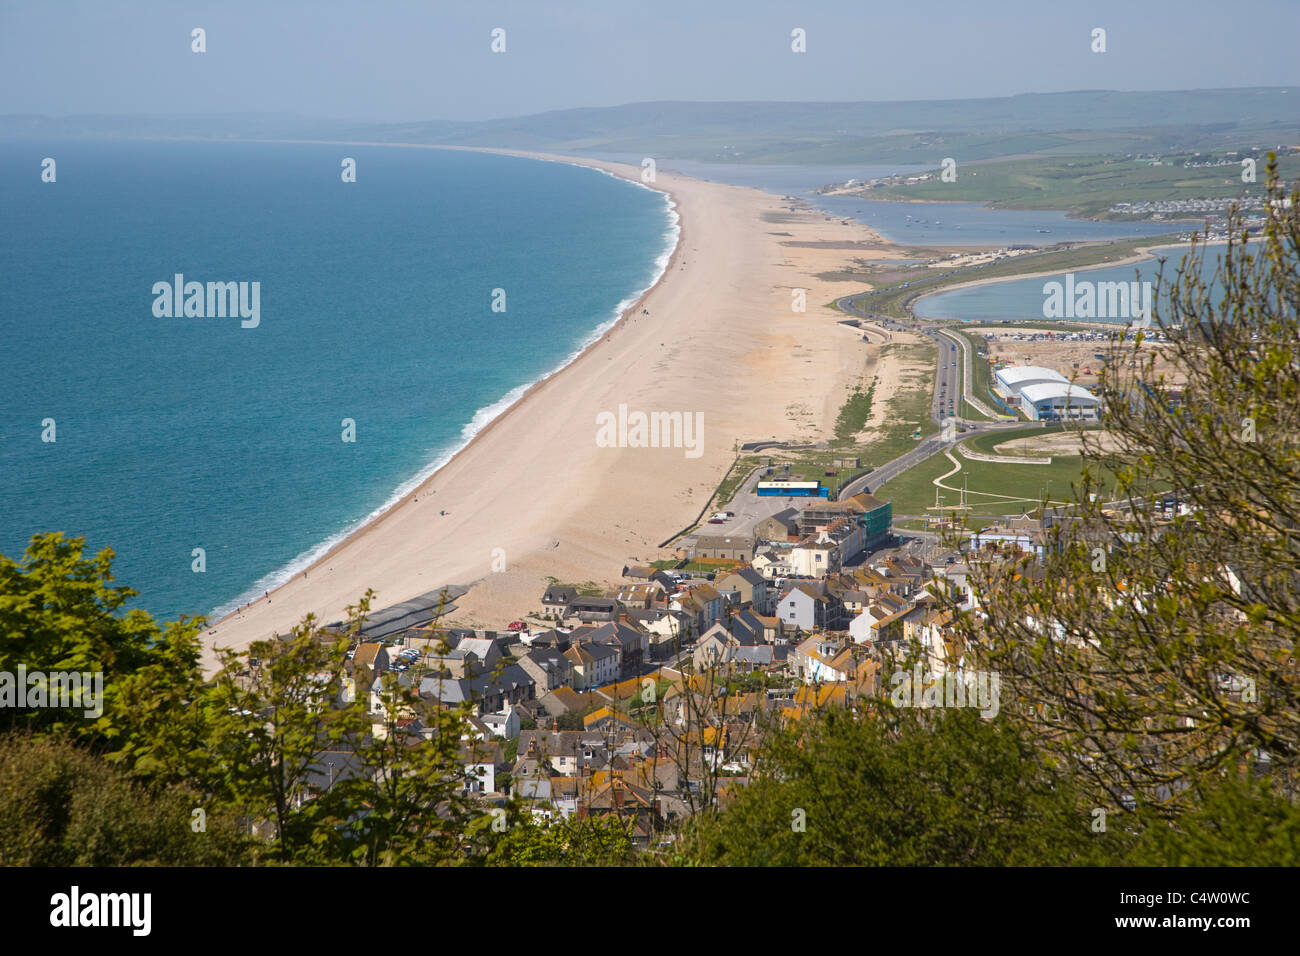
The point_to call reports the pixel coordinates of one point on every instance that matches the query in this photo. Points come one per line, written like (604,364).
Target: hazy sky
(387,60)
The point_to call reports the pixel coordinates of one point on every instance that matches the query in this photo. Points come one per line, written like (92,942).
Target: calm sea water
(375,305)
(972,224)
(1024,298)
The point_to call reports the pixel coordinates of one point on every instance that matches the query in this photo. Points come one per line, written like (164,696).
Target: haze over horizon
(409,62)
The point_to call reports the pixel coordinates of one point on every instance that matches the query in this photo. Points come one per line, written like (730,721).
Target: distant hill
(918,131)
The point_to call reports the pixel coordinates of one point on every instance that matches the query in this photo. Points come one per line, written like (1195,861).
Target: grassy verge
(981,372)
(731,484)
(854,414)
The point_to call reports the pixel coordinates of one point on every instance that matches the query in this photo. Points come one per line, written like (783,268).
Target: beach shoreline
(677,230)
(738,262)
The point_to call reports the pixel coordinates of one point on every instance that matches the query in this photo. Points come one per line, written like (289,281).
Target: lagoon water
(376,305)
(972,224)
(1024,298)
(912,224)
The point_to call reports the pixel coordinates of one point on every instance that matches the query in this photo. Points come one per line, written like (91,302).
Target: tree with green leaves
(1155,654)
(514,836)
(273,717)
(407,803)
(61,805)
(60,611)
(897,787)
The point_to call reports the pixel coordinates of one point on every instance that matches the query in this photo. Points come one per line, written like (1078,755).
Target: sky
(396,61)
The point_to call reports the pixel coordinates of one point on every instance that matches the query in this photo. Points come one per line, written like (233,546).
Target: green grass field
(1091,185)
(994,489)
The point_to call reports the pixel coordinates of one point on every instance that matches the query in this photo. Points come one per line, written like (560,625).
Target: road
(960,343)
(953,379)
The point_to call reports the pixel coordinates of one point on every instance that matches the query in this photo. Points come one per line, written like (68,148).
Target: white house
(864,628)
(593,665)
(815,660)
(814,559)
(504,724)
(771,565)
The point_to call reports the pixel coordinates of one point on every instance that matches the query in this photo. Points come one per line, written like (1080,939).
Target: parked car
(517,626)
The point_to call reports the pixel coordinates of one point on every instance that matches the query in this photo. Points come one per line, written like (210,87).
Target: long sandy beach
(535,492)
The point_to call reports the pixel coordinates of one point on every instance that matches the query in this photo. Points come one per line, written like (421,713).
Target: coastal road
(953,380)
(959,344)
(872,480)
(948,377)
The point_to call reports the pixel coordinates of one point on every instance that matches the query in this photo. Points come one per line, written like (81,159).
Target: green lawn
(988,485)
(993,489)
(1089,185)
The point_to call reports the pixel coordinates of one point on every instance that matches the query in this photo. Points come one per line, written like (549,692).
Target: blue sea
(376,305)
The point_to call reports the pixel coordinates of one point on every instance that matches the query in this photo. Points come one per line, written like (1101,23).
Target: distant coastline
(538,490)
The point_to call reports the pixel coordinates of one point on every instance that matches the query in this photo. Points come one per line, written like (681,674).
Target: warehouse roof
(1054,390)
(1015,374)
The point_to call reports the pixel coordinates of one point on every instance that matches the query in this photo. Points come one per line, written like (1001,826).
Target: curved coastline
(538,486)
(483,419)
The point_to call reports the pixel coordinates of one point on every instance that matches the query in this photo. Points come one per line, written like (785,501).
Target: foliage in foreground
(1149,682)
(948,788)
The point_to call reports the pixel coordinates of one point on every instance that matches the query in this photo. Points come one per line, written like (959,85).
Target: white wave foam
(480,420)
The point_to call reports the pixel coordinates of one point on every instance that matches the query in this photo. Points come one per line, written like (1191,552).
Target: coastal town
(648,695)
(687,441)
(650,700)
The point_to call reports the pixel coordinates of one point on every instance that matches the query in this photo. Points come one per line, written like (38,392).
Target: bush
(63,806)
